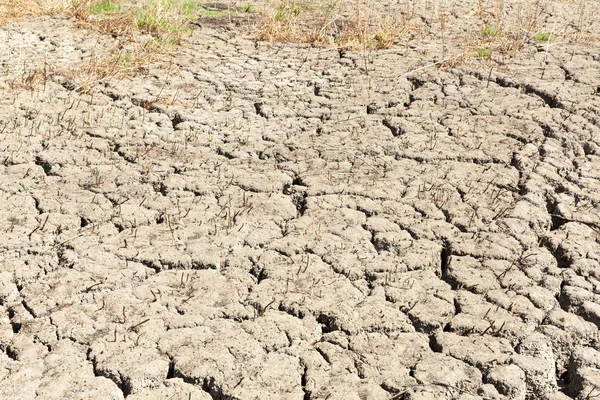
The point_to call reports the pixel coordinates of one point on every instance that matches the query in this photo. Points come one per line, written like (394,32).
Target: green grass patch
(279,16)
(103,8)
(190,7)
(542,37)
(484,53)
(491,31)
(150,23)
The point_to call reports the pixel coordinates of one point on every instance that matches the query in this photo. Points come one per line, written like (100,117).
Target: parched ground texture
(251,220)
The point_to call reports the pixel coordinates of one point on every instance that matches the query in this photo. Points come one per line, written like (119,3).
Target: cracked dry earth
(265,221)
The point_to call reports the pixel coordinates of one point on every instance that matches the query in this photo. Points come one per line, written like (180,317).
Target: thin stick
(424,67)
(136,326)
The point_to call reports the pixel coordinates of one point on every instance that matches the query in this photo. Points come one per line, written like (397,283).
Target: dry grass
(121,16)
(146,30)
(492,28)
(23,9)
(330,23)
(502,30)
(81,77)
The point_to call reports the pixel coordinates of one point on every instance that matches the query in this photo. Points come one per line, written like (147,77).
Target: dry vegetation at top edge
(147,29)
(333,23)
(482,29)
(353,24)
(163,18)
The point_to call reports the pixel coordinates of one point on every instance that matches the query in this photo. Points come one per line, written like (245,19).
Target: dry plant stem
(421,68)
(326,20)
(442,19)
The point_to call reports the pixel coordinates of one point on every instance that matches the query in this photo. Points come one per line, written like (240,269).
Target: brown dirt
(252,220)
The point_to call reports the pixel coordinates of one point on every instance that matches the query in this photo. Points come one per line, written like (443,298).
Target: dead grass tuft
(166,21)
(145,30)
(329,24)
(15,10)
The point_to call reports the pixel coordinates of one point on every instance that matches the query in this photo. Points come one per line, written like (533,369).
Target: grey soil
(265,221)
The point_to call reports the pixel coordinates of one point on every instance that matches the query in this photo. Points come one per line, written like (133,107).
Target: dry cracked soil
(251,220)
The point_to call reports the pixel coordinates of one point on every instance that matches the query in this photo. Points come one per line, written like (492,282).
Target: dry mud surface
(261,221)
